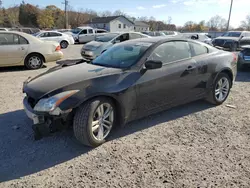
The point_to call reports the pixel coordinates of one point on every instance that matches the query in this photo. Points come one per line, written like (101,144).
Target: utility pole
(228,23)
(66,2)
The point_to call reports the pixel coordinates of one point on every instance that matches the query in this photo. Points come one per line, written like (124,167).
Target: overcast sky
(180,10)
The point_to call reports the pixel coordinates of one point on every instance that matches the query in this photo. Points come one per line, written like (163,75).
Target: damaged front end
(46,113)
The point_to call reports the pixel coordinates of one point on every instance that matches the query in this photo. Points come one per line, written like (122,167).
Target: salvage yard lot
(194,145)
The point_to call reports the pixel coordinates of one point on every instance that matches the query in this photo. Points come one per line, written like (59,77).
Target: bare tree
(105,13)
(246,23)
(217,23)
(119,13)
(143,18)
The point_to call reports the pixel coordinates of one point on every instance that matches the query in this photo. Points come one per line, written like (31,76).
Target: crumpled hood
(92,45)
(228,38)
(59,77)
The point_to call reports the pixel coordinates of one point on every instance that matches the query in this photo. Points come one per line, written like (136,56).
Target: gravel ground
(195,145)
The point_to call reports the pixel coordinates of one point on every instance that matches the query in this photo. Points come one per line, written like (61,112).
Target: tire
(33,61)
(84,118)
(212,97)
(64,44)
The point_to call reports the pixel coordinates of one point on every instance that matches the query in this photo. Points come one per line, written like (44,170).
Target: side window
(52,34)
(171,51)
(44,35)
(90,31)
(83,32)
(124,26)
(22,40)
(134,36)
(123,37)
(120,26)
(198,49)
(11,39)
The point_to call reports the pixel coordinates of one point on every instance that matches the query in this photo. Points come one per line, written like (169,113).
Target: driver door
(13,48)
(170,85)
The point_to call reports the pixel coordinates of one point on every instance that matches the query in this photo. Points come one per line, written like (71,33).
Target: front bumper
(37,119)
(44,124)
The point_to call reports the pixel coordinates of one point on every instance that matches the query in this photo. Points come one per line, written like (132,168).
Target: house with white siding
(112,23)
(141,26)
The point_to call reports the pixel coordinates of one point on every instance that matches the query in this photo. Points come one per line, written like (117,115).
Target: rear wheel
(94,121)
(64,44)
(33,61)
(220,90)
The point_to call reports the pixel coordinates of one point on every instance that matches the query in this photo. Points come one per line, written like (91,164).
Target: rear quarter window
(198,49)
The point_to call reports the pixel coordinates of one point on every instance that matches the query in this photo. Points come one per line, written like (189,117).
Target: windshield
(232,34)
(123,55)
(106,37)
(76,30)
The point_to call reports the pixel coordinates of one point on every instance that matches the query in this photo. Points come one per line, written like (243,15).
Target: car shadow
(17,69)
(243,76)
(20,155)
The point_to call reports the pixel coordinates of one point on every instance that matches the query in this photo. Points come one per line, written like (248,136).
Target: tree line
(28,15)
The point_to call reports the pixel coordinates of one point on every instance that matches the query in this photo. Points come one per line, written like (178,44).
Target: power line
(228,23)
(66,3)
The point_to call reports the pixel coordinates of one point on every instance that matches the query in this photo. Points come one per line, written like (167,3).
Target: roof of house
(105,19)
(140,23)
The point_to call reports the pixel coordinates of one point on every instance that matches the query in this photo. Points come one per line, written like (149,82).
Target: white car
(202,37)
(63,39)
(18,48)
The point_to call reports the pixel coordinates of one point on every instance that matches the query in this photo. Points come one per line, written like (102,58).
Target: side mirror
(151,64)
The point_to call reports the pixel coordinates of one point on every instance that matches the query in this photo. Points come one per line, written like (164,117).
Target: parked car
(4,29)
(130,80)
(26,30)
(86,34)
(231,40)
(171,33)
(244,57)
(17,48)
(160,33)
(63,39)
(94,48)
(202,37)
(155,33)
(101,31)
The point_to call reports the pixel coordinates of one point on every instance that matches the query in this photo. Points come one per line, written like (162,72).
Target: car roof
(25,35)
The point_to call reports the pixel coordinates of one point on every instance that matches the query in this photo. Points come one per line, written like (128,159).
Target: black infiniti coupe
(130,80)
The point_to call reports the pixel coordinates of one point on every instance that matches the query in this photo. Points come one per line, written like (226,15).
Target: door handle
(22,48)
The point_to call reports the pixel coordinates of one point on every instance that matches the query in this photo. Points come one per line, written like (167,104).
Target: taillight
(58,48)
(235,56)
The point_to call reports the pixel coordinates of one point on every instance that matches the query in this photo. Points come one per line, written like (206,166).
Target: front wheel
(94,121)
(221,89)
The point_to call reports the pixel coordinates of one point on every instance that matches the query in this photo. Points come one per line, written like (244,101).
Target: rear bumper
(54,57)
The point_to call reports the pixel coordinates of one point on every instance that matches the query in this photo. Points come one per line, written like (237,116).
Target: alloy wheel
(102,121)
(222,89)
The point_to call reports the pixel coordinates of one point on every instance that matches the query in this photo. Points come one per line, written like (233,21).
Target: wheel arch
(118,105)
(227,71)
(35,53)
